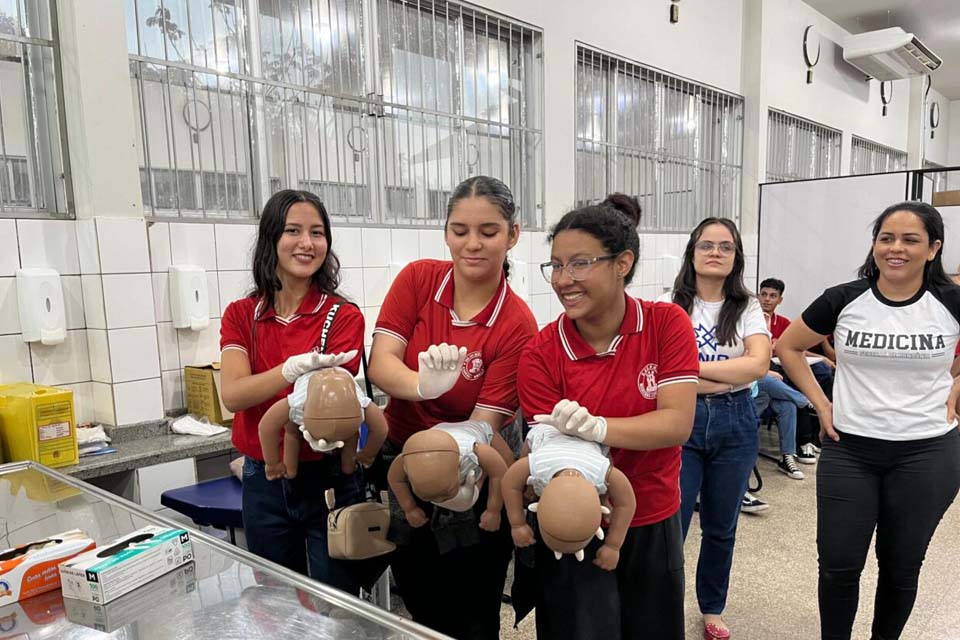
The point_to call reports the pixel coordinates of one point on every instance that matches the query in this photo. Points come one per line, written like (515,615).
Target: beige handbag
(358,532)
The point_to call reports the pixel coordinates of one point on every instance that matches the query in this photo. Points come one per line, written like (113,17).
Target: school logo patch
(473,366)
(647,381)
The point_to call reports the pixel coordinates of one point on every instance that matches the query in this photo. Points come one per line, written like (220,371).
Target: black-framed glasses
(577,269)
(706,246)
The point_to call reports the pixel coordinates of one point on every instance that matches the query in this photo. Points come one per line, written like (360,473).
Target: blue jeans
(782,400)
(286,520)
(716,464)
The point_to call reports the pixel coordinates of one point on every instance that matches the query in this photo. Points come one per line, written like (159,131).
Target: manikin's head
(431,461)
(332,409)
(568,513)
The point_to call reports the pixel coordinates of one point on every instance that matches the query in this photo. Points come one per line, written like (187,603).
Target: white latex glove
(466,497)
(296,366)
(439,369)
(570,418)
(321,445)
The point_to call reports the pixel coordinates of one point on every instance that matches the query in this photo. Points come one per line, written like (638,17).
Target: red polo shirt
(276,340)
(418,311)
(655,347)
(778,324)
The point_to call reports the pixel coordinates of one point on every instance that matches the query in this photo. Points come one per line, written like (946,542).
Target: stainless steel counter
(225,593)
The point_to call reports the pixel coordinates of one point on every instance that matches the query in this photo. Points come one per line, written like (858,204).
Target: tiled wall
(123,358)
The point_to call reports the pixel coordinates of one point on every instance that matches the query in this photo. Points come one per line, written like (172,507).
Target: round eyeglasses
(577,269)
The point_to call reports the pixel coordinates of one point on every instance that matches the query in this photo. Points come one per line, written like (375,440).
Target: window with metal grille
(872,157)
(674,144)
(799,149)
(33,157)
(292,89)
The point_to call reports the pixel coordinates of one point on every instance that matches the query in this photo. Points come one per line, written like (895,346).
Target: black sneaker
(788,466)
(749,504)
(807,454)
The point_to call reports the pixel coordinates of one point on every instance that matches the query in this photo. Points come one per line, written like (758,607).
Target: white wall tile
(171,383)
(123,245)
(103,411)
(63,363)
(161,297)
(233,285)
(193,244)
(167,341)
(73,302)
(648,272)
(158,234)
(200,347)
(370,315)
(539,247)
(348,246)
(351,285)
(540,305)
(376,247)
(555,307)
(14,360)
(49,243)
(648,246)
(750,268)
(524,247)
(133,353)
(376,283)
(404,246)
(235,245)
(9,308)
(432,244)
(93,312)
(82,401)
(538,284)
(138,401)
(99,350)
(9,251)
(128,300)
(87,250)
(213,294)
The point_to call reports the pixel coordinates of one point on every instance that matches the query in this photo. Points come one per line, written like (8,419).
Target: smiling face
(598,289)
(302,246)
(479,237)
(902,249)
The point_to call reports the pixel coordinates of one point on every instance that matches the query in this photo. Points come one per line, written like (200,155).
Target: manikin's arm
(271,426)
(376,434)
(493,467)
(496,422)
(624,506)
(397,478)
(512,487)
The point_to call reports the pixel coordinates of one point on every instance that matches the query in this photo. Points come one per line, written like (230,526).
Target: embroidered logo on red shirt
(473,366)
(647,381)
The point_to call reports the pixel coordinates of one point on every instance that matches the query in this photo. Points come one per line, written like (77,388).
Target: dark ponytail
(494,191)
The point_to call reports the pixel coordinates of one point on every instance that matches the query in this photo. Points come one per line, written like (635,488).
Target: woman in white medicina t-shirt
(891,449)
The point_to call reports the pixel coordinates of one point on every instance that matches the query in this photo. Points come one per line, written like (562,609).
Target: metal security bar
(799,149)
(34,168)
(674,144)
(377,105)
(873,157)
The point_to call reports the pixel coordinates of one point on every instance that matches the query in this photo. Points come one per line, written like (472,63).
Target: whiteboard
(816,233)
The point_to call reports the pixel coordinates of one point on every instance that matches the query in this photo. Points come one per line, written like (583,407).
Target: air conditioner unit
(890,54)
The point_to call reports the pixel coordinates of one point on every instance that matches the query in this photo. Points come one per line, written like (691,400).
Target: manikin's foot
(714,627)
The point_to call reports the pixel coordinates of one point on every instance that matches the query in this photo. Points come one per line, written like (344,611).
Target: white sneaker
(788,466)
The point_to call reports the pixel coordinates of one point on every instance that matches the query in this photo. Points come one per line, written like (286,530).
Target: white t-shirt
(893,358)
(704,320)
(552,451)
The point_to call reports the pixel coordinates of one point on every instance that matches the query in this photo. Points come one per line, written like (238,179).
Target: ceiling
(935,22)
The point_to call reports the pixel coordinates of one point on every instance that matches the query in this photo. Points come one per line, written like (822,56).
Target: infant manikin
(446,465)
(329,406)
(570,475)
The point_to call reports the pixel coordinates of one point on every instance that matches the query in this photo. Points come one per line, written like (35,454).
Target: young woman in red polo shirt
(269,339)
(622,372)
(445,349)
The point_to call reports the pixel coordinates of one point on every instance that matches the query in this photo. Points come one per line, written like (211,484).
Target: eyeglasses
(726,248)
(577,269)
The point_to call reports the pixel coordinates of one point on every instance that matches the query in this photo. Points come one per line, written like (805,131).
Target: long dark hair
(496,192)
(735,293)
(613,222)
(273,219)
(933,272)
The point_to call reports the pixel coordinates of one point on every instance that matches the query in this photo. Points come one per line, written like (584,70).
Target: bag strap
(327,324)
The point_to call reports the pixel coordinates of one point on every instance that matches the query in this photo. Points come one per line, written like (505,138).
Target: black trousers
(901,489)
(642,598)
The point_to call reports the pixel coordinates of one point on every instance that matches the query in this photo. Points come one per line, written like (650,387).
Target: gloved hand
(466,496)
(570,418)
(321,445)
(296,366)
(439,369)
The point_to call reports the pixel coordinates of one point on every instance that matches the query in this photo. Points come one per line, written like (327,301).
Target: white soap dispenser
(40,299)
(189,300)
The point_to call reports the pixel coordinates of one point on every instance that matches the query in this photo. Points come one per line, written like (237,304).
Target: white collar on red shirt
(487,316)
(310,305)
(577,348)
